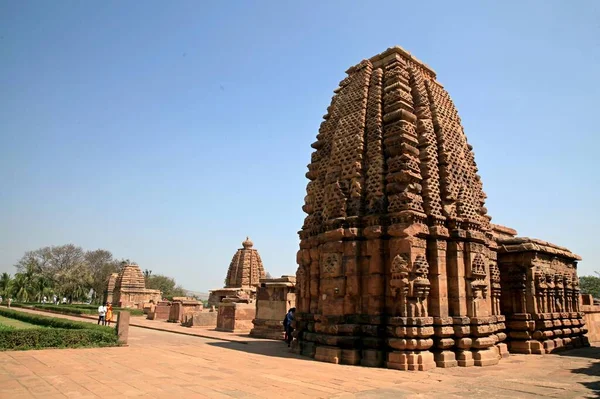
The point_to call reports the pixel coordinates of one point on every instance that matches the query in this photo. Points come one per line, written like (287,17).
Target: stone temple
(243,276)
(399,265)
(129,288)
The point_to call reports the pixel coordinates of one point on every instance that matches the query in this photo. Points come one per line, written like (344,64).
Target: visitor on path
(55,300)
(0,299)
(44,300)
(102,314)
(287,325)
(64,299)
(109,314)
(9,301)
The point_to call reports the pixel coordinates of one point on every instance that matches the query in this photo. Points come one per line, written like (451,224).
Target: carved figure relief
(400,284)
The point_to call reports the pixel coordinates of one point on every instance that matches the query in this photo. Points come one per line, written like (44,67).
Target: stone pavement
(160,364)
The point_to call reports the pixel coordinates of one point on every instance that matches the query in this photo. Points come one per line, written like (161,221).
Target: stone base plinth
(546,332)
(235,317)
(401,360)
(269,329)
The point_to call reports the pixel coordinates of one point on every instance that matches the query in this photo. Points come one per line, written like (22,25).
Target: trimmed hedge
(62,334)
(38,338)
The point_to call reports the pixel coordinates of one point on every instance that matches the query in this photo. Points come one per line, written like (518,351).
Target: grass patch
(16,324)
(61,333)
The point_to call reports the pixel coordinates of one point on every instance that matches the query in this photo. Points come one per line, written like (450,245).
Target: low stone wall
(180,309)
(592,321)
(235,317)
(201,319)
(161,311)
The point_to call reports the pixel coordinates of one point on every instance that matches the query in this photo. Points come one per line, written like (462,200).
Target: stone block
(328,354)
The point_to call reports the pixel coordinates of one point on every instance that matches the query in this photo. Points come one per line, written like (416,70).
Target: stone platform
(160,364)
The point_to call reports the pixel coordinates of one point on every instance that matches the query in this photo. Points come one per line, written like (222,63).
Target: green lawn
(7,323)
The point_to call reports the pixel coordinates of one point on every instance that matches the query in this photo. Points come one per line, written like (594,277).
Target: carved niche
(410,284)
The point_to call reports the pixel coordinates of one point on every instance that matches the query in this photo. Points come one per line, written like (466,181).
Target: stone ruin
(399,265)
(130,288)
(274,298)
(182,308)
(243,276)
(110,287)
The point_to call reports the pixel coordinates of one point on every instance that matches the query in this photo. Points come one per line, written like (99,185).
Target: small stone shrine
(399,264)
(130,288)
(243,276)
(540,296)
(274,298)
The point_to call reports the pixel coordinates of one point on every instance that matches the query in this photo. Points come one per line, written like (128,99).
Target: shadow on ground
(592,370)
(265,348)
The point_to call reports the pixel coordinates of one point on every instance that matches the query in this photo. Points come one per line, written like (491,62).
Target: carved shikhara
(398,258)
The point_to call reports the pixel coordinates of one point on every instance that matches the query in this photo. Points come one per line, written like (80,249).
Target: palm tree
(5,284)
(42,286)
(22,287)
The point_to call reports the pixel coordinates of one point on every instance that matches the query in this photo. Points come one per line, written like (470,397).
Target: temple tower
(246,268)
(243,276)
(396,254)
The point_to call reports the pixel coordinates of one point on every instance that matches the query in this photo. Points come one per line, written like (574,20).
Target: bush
(62,334)
(55,338)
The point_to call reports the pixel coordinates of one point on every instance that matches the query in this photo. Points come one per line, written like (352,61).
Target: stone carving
(397,237)
(420,288)
(478,285)
(400,284)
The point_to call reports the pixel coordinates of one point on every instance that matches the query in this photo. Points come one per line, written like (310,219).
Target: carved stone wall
(397,262)
(540,296)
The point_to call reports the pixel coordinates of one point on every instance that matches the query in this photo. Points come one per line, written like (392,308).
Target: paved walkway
(160,364)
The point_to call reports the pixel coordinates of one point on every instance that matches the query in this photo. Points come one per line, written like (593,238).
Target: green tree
(167,285)
(590,285)
(5,284)
(101,264)
(23,287)
(42,286)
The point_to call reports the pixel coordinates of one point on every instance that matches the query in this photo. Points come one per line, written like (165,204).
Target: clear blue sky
(166,132)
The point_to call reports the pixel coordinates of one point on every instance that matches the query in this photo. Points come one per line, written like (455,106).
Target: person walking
(109,314)
(287,325)
(102,314)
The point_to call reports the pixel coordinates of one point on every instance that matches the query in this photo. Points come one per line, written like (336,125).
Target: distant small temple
(243,276)
(128,288)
